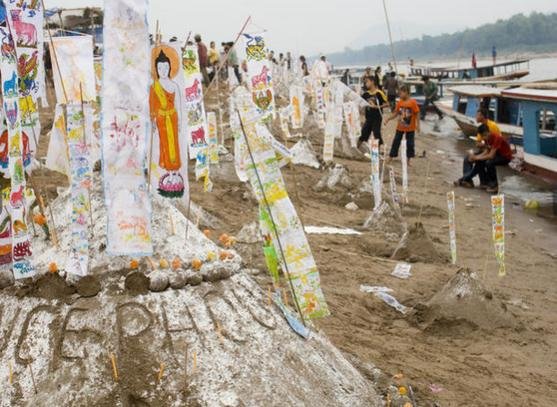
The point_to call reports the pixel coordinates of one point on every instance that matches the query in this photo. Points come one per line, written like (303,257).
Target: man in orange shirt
(497,152)
(407,111)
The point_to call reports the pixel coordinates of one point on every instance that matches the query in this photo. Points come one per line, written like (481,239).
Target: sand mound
(417,246)
(302,153)
(386,220)
(178,337)
(463,303)
(335,177)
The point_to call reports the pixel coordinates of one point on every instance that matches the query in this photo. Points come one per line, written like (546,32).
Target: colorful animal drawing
(198,136)
(11,112)
(195,114)
(7,48)
(28,106)
(22,250)
(27,69)
(16,198)
(189,61)
(194,91)
(25,5)
(15,145)
(9,88)
(19,227)
(255,47)
(26,33)
(201,159)
(262,78)
(263,99)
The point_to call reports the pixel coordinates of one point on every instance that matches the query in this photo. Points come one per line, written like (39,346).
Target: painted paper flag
(25,18)
(125,121)
(330,134)
(260,76)
(452,225)
(392,181)
(284,114)
(80,184)
(75,54)
(297,104)
(404,162)
(17,154)
(169,155)
(320,107)
(375,176)
(57,155)
(352,120)
(498,226)
(281,225)
(213,140)
(195,109)
(240,149)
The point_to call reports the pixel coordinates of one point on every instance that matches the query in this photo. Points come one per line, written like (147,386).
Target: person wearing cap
(203,58)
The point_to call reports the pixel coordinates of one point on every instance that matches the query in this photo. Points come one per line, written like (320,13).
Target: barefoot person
(374,118)
(497,152)
(407,111)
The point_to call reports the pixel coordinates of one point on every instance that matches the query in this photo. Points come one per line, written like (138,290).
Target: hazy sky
(314,26)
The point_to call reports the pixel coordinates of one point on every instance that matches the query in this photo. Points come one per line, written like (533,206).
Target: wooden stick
(269,295)
(32,378)
(114,367)
(425,187)
(53,232)
(11,373)
(161,372)
(54,54)
(226,55)
(172,226)
(194,363)
(85,143)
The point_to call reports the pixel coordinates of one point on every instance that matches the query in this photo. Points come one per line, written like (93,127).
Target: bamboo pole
(54,54)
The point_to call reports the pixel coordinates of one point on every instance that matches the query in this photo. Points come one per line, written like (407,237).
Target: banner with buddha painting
(125,127)
(169,154)
(260,75)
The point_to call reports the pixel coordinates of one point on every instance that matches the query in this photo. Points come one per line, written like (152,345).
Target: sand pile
(463,303)
(386,220)
(303,154)
(417,246)
(335,177)
(178,336)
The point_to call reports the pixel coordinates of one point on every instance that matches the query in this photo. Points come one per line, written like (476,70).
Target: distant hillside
(534,33)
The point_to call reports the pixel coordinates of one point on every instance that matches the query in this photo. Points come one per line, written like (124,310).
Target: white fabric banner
(125,118)
(75,54)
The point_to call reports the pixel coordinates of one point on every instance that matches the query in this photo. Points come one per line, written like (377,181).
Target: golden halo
(171,53)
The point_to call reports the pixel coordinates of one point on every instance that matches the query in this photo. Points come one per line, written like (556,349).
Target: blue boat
(539,110)
(502,71)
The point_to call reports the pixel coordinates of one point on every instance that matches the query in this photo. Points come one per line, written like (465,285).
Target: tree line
(536,32)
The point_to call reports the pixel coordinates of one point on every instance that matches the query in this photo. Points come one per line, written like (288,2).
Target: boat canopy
(476,91)
(536,95)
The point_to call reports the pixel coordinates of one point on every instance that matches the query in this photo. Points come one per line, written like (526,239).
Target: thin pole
(85,144)
(390,34)
(55,56)
(227,54)
(272,220)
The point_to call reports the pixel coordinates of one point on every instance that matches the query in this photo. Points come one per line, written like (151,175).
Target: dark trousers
(410,153)
(371,127)
(486,170)
(237,73)
(426,104)
(392,101)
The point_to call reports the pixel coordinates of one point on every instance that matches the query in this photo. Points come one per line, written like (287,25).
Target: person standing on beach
(304,66)
(391,86)
(214,59)
(378,77)
(431,96)
(203,58)
(494,54)
(346,77)
(233,61)
(408,113)
(374,116)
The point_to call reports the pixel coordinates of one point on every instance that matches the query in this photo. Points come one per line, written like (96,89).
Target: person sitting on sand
(407,111)
(374,116)
(497,152)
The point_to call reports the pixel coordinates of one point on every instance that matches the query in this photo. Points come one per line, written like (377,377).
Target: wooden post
(114,367)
